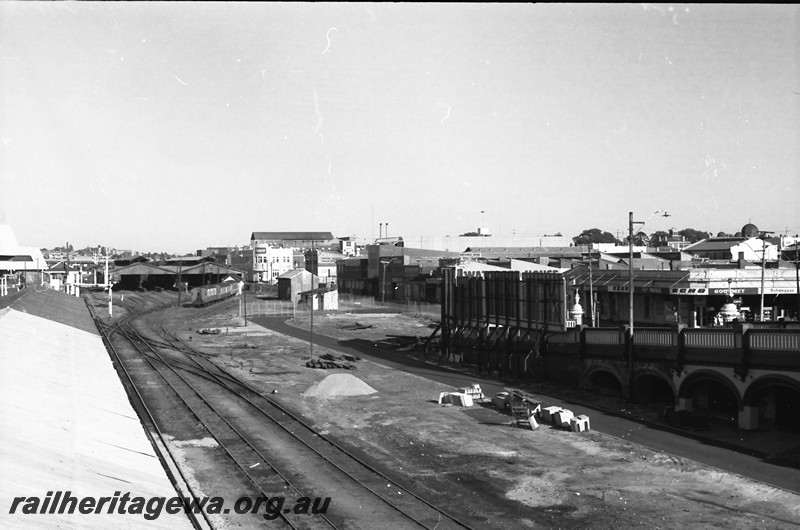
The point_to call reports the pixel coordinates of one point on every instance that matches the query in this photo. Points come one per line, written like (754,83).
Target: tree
(659,238)
(641,239)
(692,235)
(594,235)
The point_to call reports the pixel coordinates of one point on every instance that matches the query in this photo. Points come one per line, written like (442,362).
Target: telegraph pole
(591,288)
(110,295)
(311,329)
(763,266)
(630,272)
(797,278)
(244,294)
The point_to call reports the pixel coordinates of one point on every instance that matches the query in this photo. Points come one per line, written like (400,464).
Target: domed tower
(749,231)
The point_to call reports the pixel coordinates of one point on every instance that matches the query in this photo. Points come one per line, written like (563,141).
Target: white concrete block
(459,400)
(579,423)
(562,418)
(548,412)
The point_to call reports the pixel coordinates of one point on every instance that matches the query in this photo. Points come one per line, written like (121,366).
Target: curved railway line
(267,444)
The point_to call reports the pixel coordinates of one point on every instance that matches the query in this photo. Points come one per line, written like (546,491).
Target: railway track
(157,437)
(268,444)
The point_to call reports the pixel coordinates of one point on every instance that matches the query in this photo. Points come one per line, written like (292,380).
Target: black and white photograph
(359,265)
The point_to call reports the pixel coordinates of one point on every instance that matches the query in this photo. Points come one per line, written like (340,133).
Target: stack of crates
(473,391)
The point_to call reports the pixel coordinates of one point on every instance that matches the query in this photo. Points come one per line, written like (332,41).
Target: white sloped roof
(10,247)
(66,425)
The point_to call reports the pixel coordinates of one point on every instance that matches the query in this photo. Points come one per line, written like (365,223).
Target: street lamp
(383,283)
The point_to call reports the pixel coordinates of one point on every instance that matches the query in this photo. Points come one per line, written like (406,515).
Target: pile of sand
(339,385)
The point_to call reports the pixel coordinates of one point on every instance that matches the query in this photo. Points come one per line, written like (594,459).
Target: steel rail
(158,442)
(126,320)
(222,445)
(223,375)
(224,379)
(204,373)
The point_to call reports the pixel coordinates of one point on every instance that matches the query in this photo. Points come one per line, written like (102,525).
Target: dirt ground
(472,461)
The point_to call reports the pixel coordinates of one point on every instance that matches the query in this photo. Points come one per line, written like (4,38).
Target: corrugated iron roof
(712,244)
(53,305)
(294,273)
(141,268)
(526,252)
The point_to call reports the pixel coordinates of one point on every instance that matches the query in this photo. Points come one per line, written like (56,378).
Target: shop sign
(734,290)
(689,291)
(753,290)
(780,290)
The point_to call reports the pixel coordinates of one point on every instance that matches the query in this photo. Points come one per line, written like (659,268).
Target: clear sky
(176,126)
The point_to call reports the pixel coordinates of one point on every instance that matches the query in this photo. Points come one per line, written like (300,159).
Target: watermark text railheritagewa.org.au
(61,502)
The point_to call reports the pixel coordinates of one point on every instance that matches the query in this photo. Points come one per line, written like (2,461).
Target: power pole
(797,278)
(311,328)
(763,266)
(110,294)
(630,273)
(180,287)
(591,288)
(66,276)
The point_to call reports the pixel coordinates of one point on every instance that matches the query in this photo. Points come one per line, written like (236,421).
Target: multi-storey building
(271,262)
(323,264)
(275,253)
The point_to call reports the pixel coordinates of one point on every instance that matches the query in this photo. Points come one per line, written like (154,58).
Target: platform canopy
(14,258)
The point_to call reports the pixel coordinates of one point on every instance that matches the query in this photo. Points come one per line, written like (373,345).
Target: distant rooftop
(291,236)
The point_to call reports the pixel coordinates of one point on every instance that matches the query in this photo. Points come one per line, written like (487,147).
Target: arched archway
(713,396)
(652,389)
(604,382)
(777,399)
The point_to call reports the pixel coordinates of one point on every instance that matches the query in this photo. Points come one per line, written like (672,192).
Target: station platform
(66,424)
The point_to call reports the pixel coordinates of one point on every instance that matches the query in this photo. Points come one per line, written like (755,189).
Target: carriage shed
(149,276)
